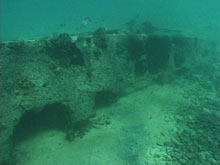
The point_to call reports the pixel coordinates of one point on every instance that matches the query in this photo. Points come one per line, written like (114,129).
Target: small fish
(62,25)
(85,22)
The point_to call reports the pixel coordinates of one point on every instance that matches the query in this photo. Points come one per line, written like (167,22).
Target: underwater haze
(117,82)
(30,19)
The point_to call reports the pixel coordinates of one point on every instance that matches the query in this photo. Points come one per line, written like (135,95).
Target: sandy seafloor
(143,129)
(139,123)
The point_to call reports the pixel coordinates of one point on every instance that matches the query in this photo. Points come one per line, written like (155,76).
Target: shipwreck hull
(69,76)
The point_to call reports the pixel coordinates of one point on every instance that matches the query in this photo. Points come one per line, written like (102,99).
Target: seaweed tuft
(64,50)
(100,38)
